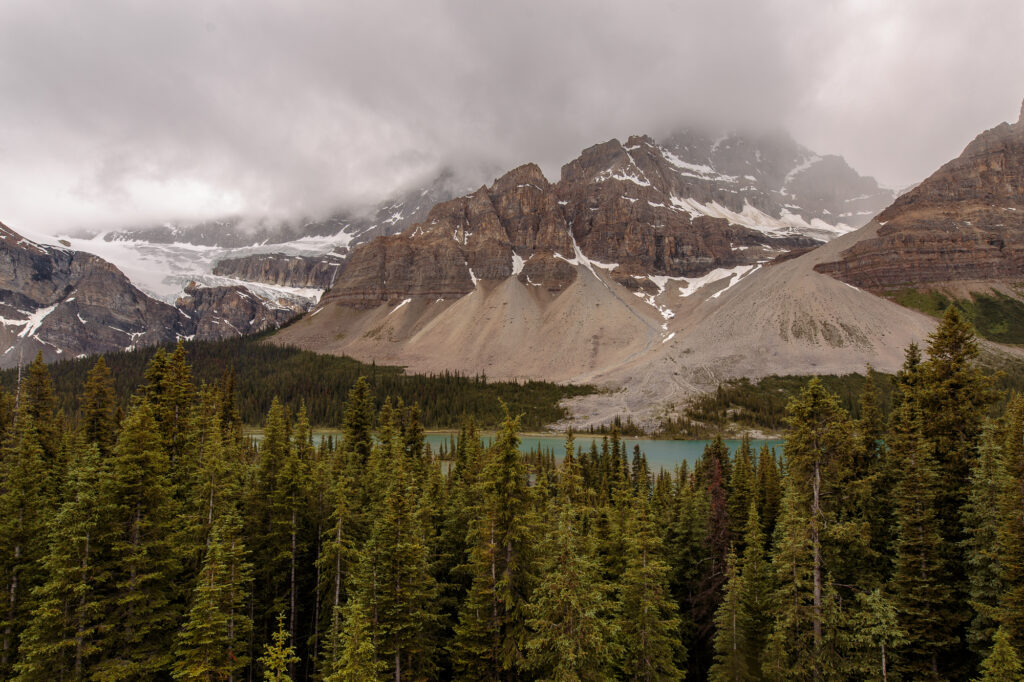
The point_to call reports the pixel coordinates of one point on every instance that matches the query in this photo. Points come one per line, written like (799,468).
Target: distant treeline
(262,371)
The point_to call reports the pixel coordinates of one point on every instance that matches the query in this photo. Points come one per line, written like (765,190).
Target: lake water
(661,454)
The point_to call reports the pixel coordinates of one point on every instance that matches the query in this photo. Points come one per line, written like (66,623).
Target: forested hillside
(162,544)
(260,371)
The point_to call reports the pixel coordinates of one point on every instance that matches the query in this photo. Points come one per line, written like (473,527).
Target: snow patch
(35,320)
(404,301)
(517,263)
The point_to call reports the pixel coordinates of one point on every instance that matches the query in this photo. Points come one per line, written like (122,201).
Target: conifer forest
(157,542)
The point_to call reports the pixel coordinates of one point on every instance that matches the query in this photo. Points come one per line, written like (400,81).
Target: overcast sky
(115,113)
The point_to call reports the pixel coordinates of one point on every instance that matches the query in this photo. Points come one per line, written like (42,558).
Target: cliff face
(67,303)
(635,209)
(307,272)
(964,223)
(227,312)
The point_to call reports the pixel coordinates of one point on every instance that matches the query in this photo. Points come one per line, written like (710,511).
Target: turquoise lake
(661,454)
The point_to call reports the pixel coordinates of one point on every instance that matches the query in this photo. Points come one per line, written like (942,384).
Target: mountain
(612,270)
(67,303)
(964,224)
(638,210)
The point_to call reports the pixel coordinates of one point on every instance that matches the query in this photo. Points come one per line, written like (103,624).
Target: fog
(127,113)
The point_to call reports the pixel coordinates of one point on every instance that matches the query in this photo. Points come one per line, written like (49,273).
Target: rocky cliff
(639,210)
(67,303)
(227,312)
(309,272)
(963,223)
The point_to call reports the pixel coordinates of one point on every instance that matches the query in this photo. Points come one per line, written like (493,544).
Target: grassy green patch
(263,371)
(996,316)
(742,404)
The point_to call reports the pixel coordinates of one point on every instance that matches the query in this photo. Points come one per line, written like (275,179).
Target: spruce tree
(358,660)
(139,581)
(1010,534)
(62,640)
(358,424)
(99,407)
(1003,664)
(921,586)
(732,624)
(876,634)
(395,582)
(791,651)
(818,452)
(213,641)
(278,655)
(489,637)
(756,593)
(982,518)
(25,501)
(649,620)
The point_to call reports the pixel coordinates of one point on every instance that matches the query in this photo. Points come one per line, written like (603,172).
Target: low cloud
(119,113)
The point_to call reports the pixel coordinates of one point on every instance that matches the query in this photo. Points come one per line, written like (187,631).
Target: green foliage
(1003,663)
(739,405)
(263,371)
(163,543)
(996,316)
(278,656)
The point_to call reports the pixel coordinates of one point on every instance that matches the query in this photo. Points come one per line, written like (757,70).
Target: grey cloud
(121,112)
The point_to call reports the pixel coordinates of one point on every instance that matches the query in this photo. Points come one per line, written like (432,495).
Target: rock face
(308,272)
(964,223)
(67,303)
(227,312)
(640,210)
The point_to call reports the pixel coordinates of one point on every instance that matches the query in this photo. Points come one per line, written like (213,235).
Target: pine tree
(818,451)
(99,408)
(62,637)
(1003,664)
(921,585)
(876,634)
(571,634)
(358,661)
(139,581)
(213,641)
(732,623)
(489,637)
(755,595)
(278,656)
(982,519)
(648,616)
(395,582)
(1010,534)
(26,499)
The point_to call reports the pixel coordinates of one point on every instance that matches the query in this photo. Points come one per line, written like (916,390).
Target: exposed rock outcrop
(227,312)
(308,272)
(67,303)
(964,223)
(636,209)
